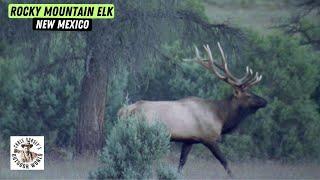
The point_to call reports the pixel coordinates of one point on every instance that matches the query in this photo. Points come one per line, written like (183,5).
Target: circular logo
(27,152)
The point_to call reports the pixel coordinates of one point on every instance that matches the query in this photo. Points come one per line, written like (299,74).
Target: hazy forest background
(68,86)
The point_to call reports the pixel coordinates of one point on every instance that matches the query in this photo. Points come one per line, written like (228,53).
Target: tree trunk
(90,125)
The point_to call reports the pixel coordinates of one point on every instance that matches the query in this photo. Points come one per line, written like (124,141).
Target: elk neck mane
(232,113)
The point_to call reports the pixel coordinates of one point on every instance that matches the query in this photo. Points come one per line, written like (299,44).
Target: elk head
(242,97)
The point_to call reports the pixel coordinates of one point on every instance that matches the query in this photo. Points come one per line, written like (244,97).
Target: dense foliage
(36,100)
(288,128)
(133,148)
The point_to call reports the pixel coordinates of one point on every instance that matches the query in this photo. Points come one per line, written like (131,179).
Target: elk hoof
(230,173)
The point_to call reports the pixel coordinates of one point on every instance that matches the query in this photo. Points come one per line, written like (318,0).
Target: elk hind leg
(185,149)
(214,148)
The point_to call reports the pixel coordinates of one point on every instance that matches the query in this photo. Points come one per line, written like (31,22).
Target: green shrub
(38,97)
(40,107)
(133,148)
(288,127)
(238,147)
(166,172)
(116,94)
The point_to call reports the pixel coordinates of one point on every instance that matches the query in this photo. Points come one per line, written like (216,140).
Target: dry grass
(54,169)
(196,168)
(260,16)
(210,168)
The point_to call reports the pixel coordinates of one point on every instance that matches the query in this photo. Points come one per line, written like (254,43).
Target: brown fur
(195,119)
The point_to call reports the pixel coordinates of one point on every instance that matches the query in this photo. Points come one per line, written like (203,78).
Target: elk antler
(243,83)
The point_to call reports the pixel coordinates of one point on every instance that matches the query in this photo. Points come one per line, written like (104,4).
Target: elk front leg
(214,148)
(185,149)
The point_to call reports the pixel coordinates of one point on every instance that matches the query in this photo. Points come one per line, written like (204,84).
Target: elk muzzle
(261,103)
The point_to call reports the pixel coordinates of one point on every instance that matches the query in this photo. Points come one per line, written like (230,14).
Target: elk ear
(237,92)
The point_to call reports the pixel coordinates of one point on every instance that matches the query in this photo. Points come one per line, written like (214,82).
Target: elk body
(195,120)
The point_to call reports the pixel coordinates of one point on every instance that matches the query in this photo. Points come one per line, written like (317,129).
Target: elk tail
(126,111)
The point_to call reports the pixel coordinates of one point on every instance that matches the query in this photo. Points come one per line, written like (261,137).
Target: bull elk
(195,120)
